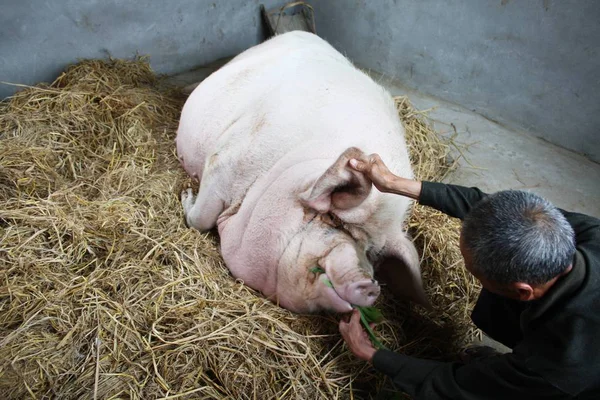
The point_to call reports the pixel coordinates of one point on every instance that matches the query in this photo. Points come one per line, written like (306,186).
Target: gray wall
(530,64)
(38,38)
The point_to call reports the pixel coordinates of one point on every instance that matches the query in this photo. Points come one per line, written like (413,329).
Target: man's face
(494,287)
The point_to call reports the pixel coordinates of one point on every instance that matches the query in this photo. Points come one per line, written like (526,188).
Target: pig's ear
(340,187)
(400,270)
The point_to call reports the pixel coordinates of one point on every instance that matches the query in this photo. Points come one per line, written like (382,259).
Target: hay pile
(104,293)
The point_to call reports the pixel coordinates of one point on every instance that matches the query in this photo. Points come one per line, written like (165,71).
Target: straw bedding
(104,292)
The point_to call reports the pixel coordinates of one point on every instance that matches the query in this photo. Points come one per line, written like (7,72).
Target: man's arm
(499,377)
(453,200)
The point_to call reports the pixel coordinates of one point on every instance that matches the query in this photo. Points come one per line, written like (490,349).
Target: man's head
(517,244)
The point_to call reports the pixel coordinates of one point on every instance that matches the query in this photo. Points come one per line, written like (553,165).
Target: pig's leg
(202,211)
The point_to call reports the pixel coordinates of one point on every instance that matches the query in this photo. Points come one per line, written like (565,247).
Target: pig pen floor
(495,157)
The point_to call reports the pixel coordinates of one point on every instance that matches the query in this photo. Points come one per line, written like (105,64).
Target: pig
(270,136)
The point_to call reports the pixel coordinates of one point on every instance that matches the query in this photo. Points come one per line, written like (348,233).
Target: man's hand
(356,337)
(384,180)
(374,168)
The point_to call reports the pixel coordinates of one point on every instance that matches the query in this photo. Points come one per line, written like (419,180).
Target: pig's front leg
(202,211)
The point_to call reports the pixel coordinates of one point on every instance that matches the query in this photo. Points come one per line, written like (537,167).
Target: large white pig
(269,136)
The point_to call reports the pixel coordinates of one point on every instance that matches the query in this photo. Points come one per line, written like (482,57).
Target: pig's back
(291,96)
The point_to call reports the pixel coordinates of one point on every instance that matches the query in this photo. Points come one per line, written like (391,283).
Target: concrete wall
(38,38)
(531,64)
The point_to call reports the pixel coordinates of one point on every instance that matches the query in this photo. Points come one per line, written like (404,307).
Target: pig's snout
(362,293)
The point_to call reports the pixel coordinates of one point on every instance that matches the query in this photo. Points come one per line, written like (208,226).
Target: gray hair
(515,236)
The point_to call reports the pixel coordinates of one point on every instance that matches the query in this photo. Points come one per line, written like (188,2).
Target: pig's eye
(336,222)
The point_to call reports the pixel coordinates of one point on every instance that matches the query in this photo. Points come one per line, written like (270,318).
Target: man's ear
(524,291)
(340,187)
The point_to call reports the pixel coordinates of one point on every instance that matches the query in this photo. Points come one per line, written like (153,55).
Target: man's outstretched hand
(383,179)
(374,168)
(356,337)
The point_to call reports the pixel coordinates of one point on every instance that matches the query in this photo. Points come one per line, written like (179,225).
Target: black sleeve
(453,200)
(499,377)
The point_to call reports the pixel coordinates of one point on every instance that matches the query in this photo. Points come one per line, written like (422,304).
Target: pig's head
(324,267)
(326,264)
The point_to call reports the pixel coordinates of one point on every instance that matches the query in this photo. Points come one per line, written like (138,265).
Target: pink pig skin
(269,136)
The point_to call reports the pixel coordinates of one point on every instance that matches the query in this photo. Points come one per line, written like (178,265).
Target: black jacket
(557,355)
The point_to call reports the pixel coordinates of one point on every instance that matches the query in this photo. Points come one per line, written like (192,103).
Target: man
(540,271)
